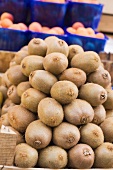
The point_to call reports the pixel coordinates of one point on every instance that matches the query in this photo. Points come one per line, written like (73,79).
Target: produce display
(58,99)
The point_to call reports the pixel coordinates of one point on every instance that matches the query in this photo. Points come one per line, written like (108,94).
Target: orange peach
(82,31)
(35,26)
(45,29)
(76,25)
(52,31)
(100,35)
(15,27)
(71,30)
(91,32)
(23,26)
(5,23)
(59,30)
(7,15)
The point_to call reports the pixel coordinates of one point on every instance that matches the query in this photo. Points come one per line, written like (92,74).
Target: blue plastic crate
(88,14)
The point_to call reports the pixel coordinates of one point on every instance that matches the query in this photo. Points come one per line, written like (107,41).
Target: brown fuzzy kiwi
(108,104)
(100,76)
(92,135)
(42,80)
(104,156)
(81,156)
(20,137)
(75,75)
(109,113)
(19,117)
(52,157)
(6,107)
(12,94)
(15,75)
(99,114)
(87,61)
(78,112)
(24,48)
(37,46)
(5,80)
(50,112)
(31,63)
(3,90)
(64,91)
(31,98)
(25,156)
(20,55)
(38,135)
(55,63)
(4,120)
(59,45)
(93,93)
(106,127)
(22,87)
(12,62)
(66,135)
(73,50)
(49,39)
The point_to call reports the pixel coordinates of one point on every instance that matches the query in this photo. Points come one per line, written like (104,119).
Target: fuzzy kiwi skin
(55,63)
(109,113)
(5,80)
(81,156)
(78,112)
(66,135)
(93,93)
(12,94)
(101,77)
(99,114)
(31,63)
(106,127)
(38,135)
(37,46)
(15,75)
(42,80)
(22,87)
(20,55)
(64,91)
(19,118)
(50,112)
(87,61)
(52,157)
(92,135)
(108,104)
(3,90)
(104,156)
(4,120)
(6,107)
(75,75)
(59,45)
(31,98)
(25,156)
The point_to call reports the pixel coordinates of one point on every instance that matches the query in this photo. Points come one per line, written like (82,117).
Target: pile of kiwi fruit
(59,101)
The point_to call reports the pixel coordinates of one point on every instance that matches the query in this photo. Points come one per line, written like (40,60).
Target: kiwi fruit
(24,48)
(19,118)
(93,93)
(31,63)
(31,98)
(4,120)
(109,113)
(49,39)
(59,45)
(66,135)
(3,90)
(37,46)
(73,50)
(99,114)
(1,99)
(15,75)
(81,156)
(22,87)
(108,104)
(20,55)
(6,107)
(12,94)
(52,157)
(5,80)
(42,80)
(92,135)
(20,137)
(87,61)
(104,156)
(100,76)
(55,63)
(25,156)
(64,91)
(75,75)
(50,112)
(38,135)
(78,112)
(106,127)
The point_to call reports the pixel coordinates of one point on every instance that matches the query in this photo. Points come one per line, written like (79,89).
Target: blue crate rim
(42,2)
(88,4)
(9,29)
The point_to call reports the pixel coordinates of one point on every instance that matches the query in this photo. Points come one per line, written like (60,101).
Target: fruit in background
(5,23)
(87,1)
(82,31)
(59,30)
(71,30)
(7,15)
(35,26)
(99,35)
(23,26)
(45,29)
(91,32)
(51,31)
(76,25)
